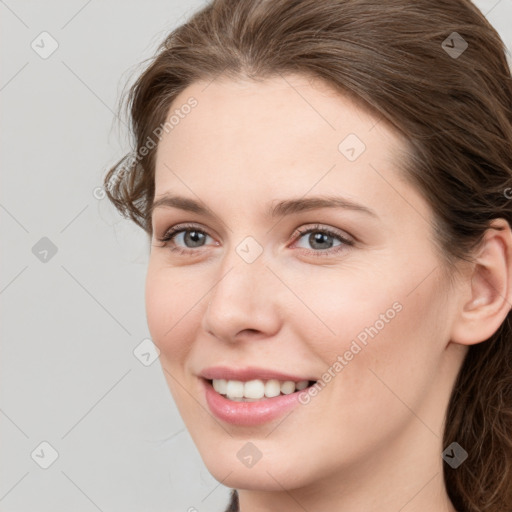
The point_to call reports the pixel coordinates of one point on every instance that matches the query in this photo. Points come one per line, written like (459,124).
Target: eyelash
(170,234)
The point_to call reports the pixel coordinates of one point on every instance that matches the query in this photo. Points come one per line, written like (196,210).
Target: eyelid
(170,233)
(343,235)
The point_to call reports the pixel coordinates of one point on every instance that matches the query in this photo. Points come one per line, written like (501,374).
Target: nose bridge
(243,266)
(242,296)
(241,278)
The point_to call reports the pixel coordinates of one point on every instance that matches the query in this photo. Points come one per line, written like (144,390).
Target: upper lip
(249,373)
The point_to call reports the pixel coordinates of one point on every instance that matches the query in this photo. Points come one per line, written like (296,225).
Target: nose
(243,302)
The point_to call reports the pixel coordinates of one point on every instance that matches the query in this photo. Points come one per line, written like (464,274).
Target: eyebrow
(283,207)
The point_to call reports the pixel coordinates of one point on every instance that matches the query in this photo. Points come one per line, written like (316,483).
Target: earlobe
(488,292)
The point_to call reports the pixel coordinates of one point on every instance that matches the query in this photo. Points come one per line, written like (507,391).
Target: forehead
(257,112)
(287,115)
(287,133)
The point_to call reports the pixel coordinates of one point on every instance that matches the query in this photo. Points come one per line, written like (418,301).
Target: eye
(322,240)
(188,239)
(189,236)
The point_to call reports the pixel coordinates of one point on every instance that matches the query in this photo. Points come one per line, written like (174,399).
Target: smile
(252,402)
(257,389)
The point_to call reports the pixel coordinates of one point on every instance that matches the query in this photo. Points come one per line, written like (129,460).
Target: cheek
(170,310)
(375,338)
(390,359)
(170,313)
(341,306)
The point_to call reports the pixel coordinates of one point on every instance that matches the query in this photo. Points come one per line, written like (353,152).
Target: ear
(487,293)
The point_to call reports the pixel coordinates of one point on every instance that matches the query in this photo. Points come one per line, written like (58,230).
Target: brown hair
(397,58)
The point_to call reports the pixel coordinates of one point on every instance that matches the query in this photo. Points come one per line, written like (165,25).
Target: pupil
(194,237)
(320,238)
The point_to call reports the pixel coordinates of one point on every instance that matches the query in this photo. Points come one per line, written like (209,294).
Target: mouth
(252,402)
(257,390)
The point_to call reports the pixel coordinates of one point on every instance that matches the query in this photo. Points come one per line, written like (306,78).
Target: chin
(270,473)
(254,479)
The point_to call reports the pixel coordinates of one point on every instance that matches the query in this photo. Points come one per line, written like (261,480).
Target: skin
(372,438)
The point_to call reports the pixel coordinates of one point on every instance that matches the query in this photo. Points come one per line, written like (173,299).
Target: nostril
(251,332)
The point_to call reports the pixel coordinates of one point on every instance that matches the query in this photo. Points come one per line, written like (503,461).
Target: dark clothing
(233,504)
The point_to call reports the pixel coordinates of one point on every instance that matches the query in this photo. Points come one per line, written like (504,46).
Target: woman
(329,283)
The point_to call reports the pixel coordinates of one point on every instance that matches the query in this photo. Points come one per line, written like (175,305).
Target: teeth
(220,385)
(235,389)
(272,388)
(287,387)
(303,384)
(256,389)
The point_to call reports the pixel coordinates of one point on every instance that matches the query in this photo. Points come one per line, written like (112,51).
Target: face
(261,283)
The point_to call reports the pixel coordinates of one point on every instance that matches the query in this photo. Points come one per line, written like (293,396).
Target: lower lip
(248,413)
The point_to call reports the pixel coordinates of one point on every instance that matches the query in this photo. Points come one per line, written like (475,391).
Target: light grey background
(69,325)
